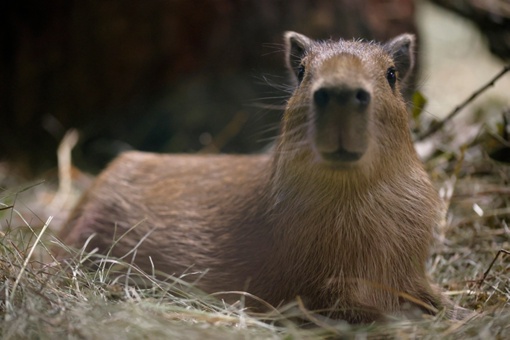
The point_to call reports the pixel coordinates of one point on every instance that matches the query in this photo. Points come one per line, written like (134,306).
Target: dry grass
(40,298)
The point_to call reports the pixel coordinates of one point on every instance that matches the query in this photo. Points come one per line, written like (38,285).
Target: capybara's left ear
(401,50)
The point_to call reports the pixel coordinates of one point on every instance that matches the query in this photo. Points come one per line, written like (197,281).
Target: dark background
(165,76)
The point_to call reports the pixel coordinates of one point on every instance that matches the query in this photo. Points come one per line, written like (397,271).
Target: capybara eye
(301,73)
(391,76)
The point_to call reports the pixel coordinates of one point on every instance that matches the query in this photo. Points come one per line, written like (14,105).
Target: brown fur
(352,236)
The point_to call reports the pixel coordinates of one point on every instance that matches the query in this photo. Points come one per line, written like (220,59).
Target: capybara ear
(296,46)
(401,50)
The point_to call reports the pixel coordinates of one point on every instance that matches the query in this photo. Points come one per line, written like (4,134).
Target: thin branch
(501,251)
(314,319)
(27,259)
(438,125)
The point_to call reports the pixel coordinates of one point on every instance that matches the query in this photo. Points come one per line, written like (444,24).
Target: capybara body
(339,213)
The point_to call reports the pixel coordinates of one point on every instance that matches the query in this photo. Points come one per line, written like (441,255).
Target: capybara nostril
(363,97)
(321,97)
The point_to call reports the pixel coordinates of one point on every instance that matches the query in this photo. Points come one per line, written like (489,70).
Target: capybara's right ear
(296,46)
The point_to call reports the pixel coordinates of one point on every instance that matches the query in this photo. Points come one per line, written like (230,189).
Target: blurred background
(208,76)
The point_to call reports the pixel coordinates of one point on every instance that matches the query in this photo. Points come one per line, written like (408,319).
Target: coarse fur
(340,212)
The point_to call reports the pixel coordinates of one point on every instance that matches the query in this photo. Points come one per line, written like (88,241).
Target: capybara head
(347,106)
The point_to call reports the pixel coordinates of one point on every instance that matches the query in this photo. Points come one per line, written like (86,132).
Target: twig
(65,169)
(27,259)
(246,294)
(312,318)
(501,251)
(438,125)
